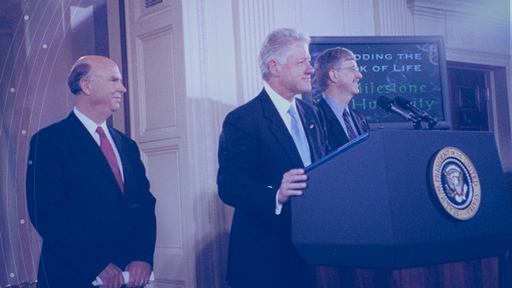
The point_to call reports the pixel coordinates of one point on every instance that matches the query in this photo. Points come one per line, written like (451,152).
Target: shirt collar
(335,106)
(88,123)
(281,104)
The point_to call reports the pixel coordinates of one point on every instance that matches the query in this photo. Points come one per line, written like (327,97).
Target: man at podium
(338,77)
(263,149)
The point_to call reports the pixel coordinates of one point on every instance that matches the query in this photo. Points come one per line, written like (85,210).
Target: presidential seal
(455,183)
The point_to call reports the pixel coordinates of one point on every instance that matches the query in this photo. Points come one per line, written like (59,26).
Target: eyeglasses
(354,69)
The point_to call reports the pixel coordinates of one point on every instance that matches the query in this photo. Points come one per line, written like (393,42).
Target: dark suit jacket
(336,135)
(77,207)
(255,150)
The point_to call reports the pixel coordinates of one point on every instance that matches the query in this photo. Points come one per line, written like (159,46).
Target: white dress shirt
(91,126)
(282,105)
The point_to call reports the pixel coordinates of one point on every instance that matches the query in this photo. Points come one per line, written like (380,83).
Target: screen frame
(340,41)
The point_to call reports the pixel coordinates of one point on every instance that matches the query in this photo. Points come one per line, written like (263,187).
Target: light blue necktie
(299,137)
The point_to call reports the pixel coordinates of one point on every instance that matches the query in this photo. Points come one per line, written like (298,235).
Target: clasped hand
(112,276)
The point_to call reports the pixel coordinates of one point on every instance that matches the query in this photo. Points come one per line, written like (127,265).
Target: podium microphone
(407,105)
(389,105)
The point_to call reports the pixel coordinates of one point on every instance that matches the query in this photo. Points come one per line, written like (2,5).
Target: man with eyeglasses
(338,77)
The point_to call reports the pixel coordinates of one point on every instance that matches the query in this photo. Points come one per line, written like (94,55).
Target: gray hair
(278,46)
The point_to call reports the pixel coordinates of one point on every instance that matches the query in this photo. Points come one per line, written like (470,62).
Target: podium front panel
(371,205)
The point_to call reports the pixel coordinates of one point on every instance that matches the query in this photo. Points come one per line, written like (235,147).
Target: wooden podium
(370,216)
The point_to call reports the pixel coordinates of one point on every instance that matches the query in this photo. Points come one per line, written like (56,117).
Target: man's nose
(310,70)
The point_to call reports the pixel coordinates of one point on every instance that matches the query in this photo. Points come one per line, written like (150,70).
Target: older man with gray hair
(264,147)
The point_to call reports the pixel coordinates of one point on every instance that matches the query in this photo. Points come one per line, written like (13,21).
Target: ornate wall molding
(392,20)
(475,32)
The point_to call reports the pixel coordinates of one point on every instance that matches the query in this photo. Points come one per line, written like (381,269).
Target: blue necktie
(299,137)
(350,131)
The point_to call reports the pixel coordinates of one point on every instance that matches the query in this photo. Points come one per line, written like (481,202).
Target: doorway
(469,99)
(479,102)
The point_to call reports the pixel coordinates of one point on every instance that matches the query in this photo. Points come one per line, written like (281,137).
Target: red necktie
(107,149)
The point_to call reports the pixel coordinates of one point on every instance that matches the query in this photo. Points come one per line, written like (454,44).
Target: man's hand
(139,274)
(292,184)
(111,276)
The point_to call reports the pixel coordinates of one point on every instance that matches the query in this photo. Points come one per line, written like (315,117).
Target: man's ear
(85,86)
(274,67)
(332,76)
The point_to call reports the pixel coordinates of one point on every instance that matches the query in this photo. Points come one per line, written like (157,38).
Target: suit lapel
(310,129)
(123,153)
(357,122)
(279,130)
(333,123)
(86,142)
(119,145)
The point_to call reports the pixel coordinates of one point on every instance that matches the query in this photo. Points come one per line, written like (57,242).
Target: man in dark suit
(261,165)
(87,192)
(338,77)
